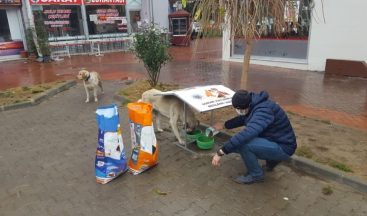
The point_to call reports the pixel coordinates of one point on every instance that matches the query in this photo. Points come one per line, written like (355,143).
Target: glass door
(4,27)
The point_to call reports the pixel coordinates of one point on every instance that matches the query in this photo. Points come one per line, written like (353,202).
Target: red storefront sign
(77,2)
(104,2)
(56,2)
(11,2)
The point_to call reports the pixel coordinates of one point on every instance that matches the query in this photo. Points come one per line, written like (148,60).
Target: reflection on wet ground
(339,99)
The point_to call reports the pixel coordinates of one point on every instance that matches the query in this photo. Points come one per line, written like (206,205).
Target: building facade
(11,29)
(77,26)
(336,31)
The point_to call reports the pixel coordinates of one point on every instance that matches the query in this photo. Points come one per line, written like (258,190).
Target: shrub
(151,47)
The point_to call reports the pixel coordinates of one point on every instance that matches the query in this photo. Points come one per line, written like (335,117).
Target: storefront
(80,24)
(133,13)
(62,19)
(11,29)
(106,18)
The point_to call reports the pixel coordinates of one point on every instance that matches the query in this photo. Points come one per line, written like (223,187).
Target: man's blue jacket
(265,119)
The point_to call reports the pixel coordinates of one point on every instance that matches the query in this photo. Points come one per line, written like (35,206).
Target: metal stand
(211,118)
(185,96)
(185,127)
(96,49)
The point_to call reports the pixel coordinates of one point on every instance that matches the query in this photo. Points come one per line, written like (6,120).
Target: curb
(40,97)
(313,168)
(23,104)
(120,99)
(304,164)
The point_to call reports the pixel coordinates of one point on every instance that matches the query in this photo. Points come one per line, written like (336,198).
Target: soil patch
(25,93)
(325,142)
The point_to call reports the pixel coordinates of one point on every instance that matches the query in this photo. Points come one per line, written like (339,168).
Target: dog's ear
(79,75)
(84,73)
(197,123)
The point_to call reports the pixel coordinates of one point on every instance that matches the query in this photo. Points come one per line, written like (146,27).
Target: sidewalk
(47,168)
(342,100)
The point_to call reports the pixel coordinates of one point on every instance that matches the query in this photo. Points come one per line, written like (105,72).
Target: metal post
(84,19)
(152,8)
(211,118)
(185,129)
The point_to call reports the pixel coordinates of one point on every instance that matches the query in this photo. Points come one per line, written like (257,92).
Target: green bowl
(194,134)
(204,142)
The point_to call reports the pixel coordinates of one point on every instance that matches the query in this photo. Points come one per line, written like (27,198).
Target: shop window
(291,42)
(61,21)
(106,19)
(4,27)
(179,26)
(134,20)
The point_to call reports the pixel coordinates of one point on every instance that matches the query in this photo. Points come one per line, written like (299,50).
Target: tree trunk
(246,63)
(36,44)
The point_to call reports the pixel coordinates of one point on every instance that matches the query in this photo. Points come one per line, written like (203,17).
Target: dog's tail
(100,82)
(100,85)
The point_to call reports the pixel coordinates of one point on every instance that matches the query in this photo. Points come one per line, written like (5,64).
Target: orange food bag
(143,141)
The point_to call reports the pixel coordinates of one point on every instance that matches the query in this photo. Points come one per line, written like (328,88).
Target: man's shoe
(270,165)
(248,179)
(267,168)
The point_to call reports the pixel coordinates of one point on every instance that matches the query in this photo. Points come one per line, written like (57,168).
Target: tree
(31,46)
(42,36)
(247,19)
(151,47)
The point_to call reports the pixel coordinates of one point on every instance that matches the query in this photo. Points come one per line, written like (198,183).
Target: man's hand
(218,126)
(216,160)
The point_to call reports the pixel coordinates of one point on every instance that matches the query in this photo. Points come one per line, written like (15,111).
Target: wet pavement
(341,100)
(47,168)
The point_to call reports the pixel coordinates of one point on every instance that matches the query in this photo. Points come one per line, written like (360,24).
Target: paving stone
(47,168)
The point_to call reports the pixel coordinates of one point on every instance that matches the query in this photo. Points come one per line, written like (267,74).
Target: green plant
(304,151)
(25,88)
(42,35)
(151,47)
(324,121)
(31,47)
(6,94)
(340,166)
(327,190)
(291,113)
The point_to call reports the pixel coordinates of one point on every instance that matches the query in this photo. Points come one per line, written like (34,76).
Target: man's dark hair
(241,99)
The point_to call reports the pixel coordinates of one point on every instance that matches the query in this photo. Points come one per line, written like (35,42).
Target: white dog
(91,80)
(172,108)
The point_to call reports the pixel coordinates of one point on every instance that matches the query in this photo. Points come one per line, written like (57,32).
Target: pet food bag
(110,155)
(143,141)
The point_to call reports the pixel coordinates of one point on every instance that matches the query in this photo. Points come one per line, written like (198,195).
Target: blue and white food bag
(110,155)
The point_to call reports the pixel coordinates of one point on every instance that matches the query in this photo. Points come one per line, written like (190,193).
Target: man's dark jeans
(260,148)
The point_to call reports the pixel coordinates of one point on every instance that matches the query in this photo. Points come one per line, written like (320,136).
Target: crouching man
(267,135)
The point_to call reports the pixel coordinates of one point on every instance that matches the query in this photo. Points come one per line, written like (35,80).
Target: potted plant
(23,54)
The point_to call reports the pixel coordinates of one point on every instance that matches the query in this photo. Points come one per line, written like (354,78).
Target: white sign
(93,17)
(204,98)
(116,18)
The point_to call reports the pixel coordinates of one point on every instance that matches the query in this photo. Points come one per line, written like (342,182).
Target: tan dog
(91,80)
(172,108)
